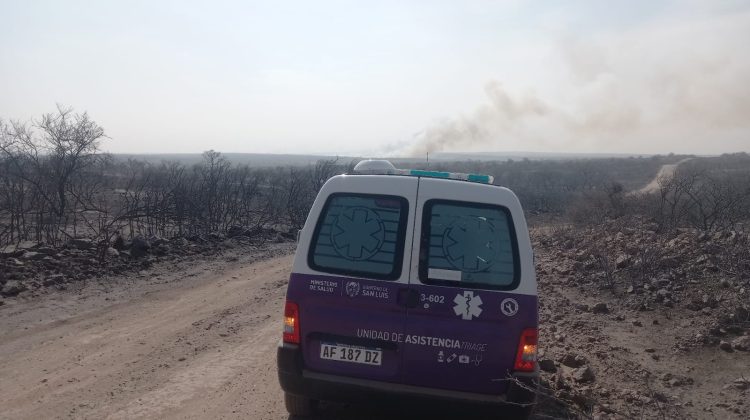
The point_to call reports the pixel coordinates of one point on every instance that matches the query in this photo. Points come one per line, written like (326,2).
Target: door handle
(408,298)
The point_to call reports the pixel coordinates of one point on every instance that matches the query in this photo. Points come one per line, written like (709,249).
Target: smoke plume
(680,86)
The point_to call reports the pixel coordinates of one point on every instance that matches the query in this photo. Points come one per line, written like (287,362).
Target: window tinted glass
(361,235)
(468,245)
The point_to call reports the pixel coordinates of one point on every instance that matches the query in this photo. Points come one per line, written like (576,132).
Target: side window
(360,235)
(468,245)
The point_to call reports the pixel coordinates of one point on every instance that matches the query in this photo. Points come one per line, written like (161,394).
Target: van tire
(522,413)
(298,405)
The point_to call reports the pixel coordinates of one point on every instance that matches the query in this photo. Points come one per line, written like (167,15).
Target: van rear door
(475,286)
(348,274)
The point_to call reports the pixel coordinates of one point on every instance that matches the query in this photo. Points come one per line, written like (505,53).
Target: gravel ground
(196,338)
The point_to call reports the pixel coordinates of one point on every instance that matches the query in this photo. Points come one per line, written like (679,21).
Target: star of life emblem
(467,306)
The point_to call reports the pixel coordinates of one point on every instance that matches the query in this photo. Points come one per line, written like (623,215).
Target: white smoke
(679,85)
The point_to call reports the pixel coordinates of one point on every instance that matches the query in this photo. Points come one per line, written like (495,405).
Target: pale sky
(386,77)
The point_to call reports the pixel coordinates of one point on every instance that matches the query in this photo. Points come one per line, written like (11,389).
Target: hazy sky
(386,77)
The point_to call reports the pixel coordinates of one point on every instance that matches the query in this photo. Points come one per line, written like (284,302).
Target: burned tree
(45,156)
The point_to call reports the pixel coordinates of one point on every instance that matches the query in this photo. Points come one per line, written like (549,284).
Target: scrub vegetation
(643,291)
(55,186)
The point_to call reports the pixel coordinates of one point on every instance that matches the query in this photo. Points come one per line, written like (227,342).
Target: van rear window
(468,245)
(360,235)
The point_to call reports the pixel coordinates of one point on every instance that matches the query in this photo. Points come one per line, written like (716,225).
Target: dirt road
(665,172)
(194,344)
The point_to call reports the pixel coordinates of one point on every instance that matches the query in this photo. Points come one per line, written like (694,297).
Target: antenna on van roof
(428,159)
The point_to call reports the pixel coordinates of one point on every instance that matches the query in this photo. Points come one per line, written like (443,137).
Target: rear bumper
(295,379)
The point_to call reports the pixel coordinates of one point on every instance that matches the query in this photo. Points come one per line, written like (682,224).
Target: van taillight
(291,323)
(526,356)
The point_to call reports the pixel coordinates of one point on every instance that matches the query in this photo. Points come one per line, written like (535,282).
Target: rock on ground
(12,288)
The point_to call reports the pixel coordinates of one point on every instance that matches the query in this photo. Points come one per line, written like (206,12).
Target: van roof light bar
(375,167)
(484,179)
(384,167)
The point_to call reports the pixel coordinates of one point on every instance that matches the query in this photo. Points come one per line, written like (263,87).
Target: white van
(409,282)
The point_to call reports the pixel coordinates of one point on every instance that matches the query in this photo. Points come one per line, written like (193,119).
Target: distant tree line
(549,187)
(55,184)
(708,194)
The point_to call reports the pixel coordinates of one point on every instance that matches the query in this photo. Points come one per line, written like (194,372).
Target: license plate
(351,354)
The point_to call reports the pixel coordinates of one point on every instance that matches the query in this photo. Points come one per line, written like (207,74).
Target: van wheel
(521,412)
(298,405)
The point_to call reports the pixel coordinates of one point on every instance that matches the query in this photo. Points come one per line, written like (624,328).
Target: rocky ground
(633,324)
(30,269)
